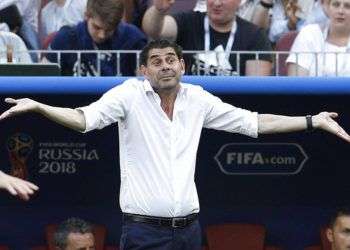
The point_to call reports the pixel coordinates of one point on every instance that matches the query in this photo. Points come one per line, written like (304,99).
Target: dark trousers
(142,236)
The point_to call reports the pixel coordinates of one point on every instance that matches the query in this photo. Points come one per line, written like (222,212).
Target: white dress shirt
(158,155)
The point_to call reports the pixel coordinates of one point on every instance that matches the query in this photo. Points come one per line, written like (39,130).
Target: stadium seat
(284,44)
(236,235)
(4,247)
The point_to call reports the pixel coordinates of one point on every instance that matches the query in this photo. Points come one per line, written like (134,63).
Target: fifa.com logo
(261,158)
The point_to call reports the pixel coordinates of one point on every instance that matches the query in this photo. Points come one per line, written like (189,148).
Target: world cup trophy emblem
(19,147)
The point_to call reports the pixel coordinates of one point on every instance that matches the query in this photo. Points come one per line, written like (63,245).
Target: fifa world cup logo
(19,147)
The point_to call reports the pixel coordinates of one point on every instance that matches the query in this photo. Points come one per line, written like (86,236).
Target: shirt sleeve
(303,43)
(260,42)
(224,116)
(112,107)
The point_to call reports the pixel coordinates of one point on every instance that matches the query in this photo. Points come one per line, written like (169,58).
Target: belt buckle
(174,222)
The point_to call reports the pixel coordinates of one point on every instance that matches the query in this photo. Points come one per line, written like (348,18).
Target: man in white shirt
(160,122)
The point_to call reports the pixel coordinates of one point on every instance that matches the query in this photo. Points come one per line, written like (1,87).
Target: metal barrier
(277,58)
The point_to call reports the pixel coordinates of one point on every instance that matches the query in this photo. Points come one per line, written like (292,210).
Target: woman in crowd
(326,46)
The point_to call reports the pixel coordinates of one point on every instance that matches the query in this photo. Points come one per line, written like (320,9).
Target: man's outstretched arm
(157,24)
(67,117)
(269,124)
(16,186)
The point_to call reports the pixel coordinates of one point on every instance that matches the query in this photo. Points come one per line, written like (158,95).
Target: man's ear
(86,16)
(329,234)
(143,70)
(182,62)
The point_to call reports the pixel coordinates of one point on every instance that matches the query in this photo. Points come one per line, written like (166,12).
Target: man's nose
(101,34)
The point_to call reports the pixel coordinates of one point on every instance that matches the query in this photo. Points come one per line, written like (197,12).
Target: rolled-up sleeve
(112,107)
(224,116)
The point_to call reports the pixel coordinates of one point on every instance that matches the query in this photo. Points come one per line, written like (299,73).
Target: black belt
(174,222)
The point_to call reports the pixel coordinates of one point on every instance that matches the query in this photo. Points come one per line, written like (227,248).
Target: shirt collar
(148,88)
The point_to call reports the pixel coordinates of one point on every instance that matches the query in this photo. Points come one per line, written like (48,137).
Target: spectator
(327,45)
(58,13)
(52,17)
(255,11)
(101,30)
(16,186)
(134,11)
(27,8)
(28,31)
(12,47)
(289,15)
(74,11)
(74,233)
(12,18)
(338,231)
(219,31)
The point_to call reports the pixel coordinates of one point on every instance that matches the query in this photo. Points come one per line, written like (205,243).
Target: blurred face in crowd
(98,30)
(78,241)
(164,69)
(339,234)
(339,13)
(222,12)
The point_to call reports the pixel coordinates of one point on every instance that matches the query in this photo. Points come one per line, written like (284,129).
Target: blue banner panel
(276,180)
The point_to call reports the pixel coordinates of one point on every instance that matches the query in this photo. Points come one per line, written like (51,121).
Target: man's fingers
(11,190)
(32,186)
(7,113)
(10,100)
(23,192)
(333,114)
(344,135)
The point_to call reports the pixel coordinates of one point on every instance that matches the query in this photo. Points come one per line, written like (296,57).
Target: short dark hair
(71,225)
(11,16)
(109,11)
(159,44)
(341,211)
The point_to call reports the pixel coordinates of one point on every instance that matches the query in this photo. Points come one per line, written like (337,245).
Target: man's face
(222,11)
(78,241)
(339,234)
(98,30)
(164,69)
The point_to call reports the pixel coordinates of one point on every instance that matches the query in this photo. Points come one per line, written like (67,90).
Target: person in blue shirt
(101,30)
